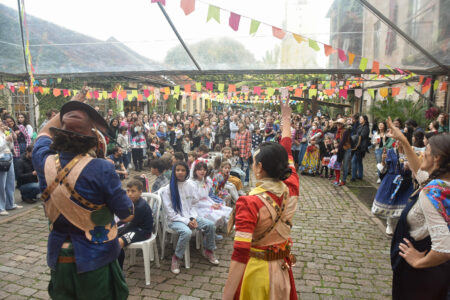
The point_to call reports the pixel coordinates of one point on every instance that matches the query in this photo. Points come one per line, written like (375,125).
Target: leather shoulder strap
(274,209)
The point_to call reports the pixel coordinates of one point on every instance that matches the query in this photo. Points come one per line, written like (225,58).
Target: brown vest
(96,223)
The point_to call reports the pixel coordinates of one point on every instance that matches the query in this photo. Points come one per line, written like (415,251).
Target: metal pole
(403,34)
(178,36)
(23,40)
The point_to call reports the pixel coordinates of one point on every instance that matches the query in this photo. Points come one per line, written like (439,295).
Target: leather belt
(270,255)
(66,259)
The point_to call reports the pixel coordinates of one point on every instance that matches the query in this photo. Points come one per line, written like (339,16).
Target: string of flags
(322,90)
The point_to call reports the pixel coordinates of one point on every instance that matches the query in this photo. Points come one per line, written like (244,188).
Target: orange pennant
(333,83)
(328,50)
(375,67)
(420,79)
(298,92)
(2,87)
(56,92)
(425,88)
(443,86)
(166,96)
(231,88)
(22,89)
(395,91)
(299,38)
(187,88)
(351,58)
(384,92)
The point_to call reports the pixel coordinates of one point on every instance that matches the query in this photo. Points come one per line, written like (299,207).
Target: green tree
(403,109)
(214,53)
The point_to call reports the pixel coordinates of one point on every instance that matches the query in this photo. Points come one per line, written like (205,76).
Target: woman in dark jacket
(113,132)
(361,147)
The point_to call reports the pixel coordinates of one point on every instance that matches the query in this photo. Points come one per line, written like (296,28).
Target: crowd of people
(202,165)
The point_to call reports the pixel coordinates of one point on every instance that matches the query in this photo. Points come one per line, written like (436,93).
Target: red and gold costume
(262,241)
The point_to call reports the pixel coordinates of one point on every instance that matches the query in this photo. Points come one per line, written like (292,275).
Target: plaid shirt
(243,141)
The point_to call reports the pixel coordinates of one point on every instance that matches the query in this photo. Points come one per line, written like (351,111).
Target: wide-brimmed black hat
(96,118)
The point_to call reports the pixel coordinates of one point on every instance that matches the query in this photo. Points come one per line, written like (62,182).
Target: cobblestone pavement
(341,254)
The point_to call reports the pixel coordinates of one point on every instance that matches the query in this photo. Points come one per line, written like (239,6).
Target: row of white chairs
(149,247)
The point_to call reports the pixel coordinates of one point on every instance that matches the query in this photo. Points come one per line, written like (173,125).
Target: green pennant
(254,25)
(198,86)
(312,93)
(213,13)
(371,93)
(363,64)
(176,89)
(435,85)
(221,87)
(313,45)
(270,92)
(410,90)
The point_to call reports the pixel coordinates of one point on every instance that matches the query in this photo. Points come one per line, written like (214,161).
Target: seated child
(236,169)
(222,188)
(157,167)
(116,158)
(209,208)
(141,227)
(234,177)
(179,204)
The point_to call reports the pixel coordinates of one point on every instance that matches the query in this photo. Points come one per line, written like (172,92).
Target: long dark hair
(198,166)
(440,145)
(274,160)
(174,193)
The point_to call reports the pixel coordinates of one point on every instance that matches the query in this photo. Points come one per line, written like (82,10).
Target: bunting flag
(209,85)
(234,21)
(278,33)
(198,86)
(221,87)
(188,6)
(375,67)
(312,93)
(443,86)
(298,92)
(163,2)
(395,91)
(257,90)
(371,93)
(358,93)
(363,64)
(384,92)
(351,58)
(299,38)
(213,13)
(425,88)
(231,88)
(341,54)
(187,88)
(435,85)
(313,45)
(410,90)
(343,93)
(254,25)
(328,50)
(427,81)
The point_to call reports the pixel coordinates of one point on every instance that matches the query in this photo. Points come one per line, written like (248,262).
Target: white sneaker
(4,213)
(17,207)
(389,230)
(378,180)
(210,257)
(175,267)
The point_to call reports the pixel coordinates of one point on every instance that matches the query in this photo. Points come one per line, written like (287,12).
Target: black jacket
(24,171)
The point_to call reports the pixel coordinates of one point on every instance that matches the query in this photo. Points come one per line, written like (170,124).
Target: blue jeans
(302,153)
(29,190)
(345,164)
(126,157)
(184,235)
(357,166)
(378,155)
(245,167)
(7,187)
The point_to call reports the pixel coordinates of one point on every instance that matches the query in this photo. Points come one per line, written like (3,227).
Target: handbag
(5,164)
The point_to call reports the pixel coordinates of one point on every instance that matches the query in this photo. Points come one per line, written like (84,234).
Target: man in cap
(81,194)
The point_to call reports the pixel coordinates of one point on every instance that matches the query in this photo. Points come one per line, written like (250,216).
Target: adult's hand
(394,132)
(81,95)
(410,254)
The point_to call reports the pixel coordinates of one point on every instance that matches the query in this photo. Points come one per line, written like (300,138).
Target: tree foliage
(403,109)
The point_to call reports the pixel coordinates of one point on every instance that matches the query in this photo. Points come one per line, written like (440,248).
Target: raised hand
(394,132)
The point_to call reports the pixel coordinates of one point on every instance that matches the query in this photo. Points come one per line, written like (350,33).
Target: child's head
(235,151)
(225,167)
(178,156)
(202,150)
(134,189)
(200,170)
(227,142)
(327,140)
(180,171)
(123,130)
(336,143)
(155,140)
(158,166)
(217,148)
(226,152)
(192,156)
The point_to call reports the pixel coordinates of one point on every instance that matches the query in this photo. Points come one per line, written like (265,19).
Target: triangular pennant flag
(254,25)
(188,6)
(313,45)
(375,67)
(140,97)
(234,21)
(312,93)
(209,85)
(351,58)
(270,92)
(176,90)
(96,94)
(341,54)
(298,38)
(105,94)
(443,86)
(56,92)
(328,50)
(22,89)
(278,33)
(363,64)
(213,13)
(343,93)
(298,92)
(371,93)
(390,68)
(410,90)
(257,90)
(358,93)
(395,91)
(384,92)
(428,81)
(421,79)
(231,88)
(425,88)
(163,2)
(435,85)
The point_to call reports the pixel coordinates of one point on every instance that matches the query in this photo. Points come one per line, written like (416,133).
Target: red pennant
(443,86)
(342,56)
(395,91)
(188,6)
(96,95)
(328,50)
(209,85)
(375,67)
(257,90)
(427,82)
(12,88)
(114,94)
(234,21)
(278,33)
(146,93)
(343,93)
(65,93)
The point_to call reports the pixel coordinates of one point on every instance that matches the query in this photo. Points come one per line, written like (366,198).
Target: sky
(141,25)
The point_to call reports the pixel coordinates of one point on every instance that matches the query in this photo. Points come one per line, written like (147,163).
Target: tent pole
(178,36)
(19,7)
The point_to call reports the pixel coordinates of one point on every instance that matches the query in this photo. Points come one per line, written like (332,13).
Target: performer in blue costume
(81,194)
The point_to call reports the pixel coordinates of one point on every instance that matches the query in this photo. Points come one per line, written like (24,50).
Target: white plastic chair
(148,247)
(166,229)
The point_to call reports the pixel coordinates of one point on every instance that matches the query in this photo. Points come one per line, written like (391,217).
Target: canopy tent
(140,38)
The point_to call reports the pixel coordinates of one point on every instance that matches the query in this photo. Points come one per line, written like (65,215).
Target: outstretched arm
(286,113)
